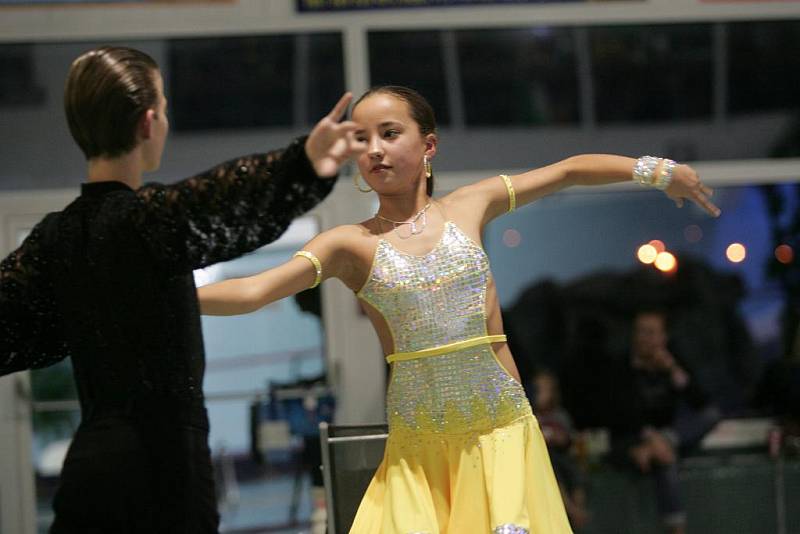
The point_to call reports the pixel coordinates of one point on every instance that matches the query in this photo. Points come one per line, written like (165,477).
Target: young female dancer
(464,453)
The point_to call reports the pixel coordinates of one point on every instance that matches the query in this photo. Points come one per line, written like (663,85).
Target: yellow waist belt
(444,349)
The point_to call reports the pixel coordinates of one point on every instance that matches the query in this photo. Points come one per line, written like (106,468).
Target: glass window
(18,84)
(763,65)
(652,73)
(231,82)
(245,82)
(326,74)
(56,416)
(519,76)
(248,356)
(281,342)
(584,277)
(412,59)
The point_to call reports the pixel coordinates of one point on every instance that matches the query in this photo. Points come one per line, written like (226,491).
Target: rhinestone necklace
(415,230)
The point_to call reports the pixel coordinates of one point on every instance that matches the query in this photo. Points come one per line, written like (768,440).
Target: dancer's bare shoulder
(352,247)
(466,206)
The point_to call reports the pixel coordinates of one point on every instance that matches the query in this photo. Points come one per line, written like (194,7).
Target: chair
(350,456)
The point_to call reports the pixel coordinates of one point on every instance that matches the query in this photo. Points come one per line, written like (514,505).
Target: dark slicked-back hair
(421,111)
(107,91)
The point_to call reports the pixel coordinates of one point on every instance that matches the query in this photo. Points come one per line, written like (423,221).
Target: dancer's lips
(379,167)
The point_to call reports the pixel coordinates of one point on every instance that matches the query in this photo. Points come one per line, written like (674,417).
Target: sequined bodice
(433,300)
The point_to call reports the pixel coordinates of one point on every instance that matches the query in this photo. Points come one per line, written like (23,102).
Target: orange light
(784,254)
(693,233)
(647,254)
(658,245)
(736,252)
(511,238)
(666,262)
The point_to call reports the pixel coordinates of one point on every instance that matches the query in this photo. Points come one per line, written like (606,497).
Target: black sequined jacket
(108,280)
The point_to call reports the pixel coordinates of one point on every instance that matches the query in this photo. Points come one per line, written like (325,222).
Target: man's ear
(146,124)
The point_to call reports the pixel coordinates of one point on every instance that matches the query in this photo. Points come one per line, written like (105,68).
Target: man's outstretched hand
(331,143)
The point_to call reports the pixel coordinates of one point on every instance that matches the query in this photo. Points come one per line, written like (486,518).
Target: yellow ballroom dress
(465,454)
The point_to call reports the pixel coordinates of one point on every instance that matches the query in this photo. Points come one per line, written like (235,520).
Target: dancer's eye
(390,134)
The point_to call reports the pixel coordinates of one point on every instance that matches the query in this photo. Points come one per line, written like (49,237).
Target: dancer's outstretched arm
(244,295)
(586,169)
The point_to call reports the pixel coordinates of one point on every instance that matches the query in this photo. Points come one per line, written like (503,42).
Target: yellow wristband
(317,265)
(512,197)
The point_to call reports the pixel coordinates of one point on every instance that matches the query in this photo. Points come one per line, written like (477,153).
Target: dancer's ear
(431,141)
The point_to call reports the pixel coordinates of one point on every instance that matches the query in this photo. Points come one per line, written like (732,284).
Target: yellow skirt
(499,482)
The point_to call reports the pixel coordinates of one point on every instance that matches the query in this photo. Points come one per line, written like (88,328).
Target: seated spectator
(778,394)
(659,411)
(558,432)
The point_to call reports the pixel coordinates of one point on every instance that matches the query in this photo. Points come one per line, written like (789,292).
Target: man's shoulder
(48,223)
(99,213)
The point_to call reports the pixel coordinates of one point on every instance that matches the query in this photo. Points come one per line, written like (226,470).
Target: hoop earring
(358,186)
(428,169)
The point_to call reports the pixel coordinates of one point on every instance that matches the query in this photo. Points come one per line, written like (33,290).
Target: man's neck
(126,169)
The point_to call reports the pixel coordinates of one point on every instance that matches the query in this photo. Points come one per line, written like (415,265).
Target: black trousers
(124,477)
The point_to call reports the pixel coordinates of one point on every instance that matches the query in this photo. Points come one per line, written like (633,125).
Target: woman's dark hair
(107,91)
(421,111)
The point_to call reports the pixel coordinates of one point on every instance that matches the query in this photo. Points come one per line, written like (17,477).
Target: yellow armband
(512,197)
(315,261)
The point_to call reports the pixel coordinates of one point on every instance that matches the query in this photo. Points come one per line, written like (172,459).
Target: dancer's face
(157,128)
(393,162)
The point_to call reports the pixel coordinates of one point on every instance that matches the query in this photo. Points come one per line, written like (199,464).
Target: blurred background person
(660,411)
(559,435)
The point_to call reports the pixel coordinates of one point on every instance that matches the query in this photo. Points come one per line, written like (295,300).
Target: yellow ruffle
(464,484)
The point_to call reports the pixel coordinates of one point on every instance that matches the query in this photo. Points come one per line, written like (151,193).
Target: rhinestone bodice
(433,300)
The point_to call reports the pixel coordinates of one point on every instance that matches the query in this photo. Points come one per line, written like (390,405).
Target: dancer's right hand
(331,143)
(686,185)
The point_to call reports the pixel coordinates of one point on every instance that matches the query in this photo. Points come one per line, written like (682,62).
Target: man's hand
(331,143)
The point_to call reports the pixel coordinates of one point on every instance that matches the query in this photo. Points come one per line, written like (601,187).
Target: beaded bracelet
(644,169)
(664,178)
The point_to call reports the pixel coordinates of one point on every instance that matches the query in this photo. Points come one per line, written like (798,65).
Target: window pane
(715,304)
(18,84)
(413,59)
(645,73)
(326,74)
(523,76)
(231,82)
(764,65)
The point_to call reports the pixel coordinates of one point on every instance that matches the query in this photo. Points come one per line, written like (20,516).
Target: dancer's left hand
(686,185)
(331,143)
